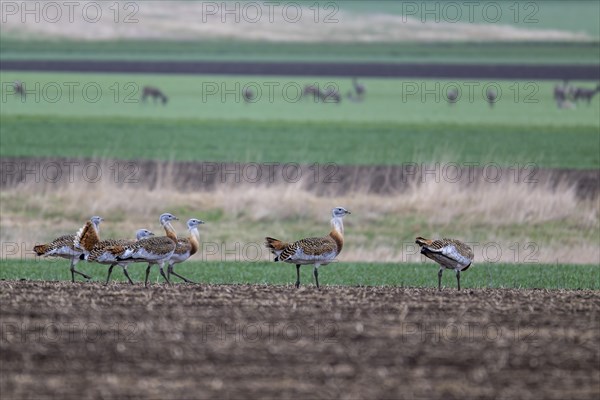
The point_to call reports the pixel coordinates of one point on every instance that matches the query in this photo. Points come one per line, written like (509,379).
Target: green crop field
(206,119)
(341,273)
(266,141)
(524,103)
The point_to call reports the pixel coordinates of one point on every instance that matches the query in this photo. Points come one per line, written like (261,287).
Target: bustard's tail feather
(276,246)
(421,241)
(41,249)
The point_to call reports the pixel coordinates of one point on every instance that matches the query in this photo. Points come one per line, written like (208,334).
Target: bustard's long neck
(337,224)
(170,231)
(96,227)
(194,240)
(194,233)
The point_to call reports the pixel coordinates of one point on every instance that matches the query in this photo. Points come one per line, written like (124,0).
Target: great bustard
(448,253)
(316,251)
(108,251)
(154,250)
(186,247)
(64,246)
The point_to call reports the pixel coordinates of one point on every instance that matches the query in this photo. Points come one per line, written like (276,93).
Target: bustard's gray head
(96,221)
(194,222)
(167,217)
(339,212)
(143,233)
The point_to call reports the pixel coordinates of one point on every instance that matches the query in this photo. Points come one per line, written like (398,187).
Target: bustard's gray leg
(458,278)
(316,274)
(162,272)
(171,271)
(297,276)
(147,274)
(127,274)
(74,271)
(109,272)
(440,278)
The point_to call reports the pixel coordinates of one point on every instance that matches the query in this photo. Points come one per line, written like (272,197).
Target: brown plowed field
(64,340)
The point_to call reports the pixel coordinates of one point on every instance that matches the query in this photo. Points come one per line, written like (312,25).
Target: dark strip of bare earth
(87,340)
(327,179)
(379,70)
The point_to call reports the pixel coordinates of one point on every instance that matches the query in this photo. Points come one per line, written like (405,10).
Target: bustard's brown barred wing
(86,238)
(149,249)
(62,242)
(183,246)
(109,249)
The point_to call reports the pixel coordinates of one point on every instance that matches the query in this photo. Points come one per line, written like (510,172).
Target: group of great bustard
(170,249)
(146,248)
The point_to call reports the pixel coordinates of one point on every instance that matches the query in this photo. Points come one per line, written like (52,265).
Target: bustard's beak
(348,212)
(201,222)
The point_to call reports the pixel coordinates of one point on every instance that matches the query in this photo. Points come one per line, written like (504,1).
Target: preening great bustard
(448,253)
(65,246)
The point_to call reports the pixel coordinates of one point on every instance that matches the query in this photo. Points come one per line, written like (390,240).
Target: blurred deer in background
(562,95)
(452,95)
(585,94)
(331,95)
(248,95)
(19,88)
(312,90)
(359,88)
(491,96)
(155,93)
